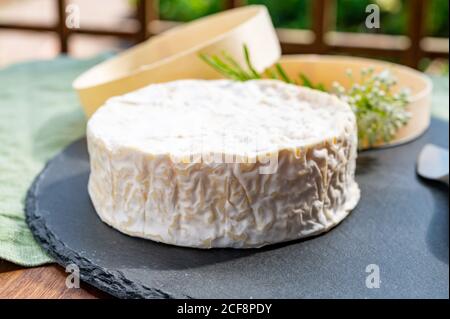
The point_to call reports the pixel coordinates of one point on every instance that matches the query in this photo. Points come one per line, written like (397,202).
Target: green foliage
(288,13)
(350,15)
(187,10)
(437,18)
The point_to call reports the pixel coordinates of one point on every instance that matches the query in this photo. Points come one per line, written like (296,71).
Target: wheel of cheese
(174,54)
(221,163)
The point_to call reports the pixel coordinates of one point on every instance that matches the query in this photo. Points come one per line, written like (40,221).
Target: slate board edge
(112,282)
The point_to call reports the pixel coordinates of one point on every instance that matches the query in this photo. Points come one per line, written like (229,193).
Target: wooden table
(47,281)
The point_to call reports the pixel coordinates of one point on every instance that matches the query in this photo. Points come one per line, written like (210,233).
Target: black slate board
(400,224)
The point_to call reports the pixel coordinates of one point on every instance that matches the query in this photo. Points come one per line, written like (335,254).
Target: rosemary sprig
(223,68)
(249,63)
(230,68)
(380,113)
(282,73)
(307,83)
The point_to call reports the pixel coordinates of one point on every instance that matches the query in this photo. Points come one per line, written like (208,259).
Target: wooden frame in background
(321,39)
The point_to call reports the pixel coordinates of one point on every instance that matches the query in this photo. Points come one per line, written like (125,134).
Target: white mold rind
(140,190)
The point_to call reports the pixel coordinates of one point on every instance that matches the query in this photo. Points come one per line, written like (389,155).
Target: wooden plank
(320,39)
(304,37)
(294,48)
(104,32)
(323,14)
(45,282)
(230,4)
(416,28)
(28,27)
(142,14)
(61,27)
(435,46)
(370,41)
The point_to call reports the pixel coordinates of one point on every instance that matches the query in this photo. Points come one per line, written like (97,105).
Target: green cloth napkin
(39,116)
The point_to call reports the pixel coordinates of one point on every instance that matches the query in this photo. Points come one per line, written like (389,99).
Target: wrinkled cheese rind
(138,187)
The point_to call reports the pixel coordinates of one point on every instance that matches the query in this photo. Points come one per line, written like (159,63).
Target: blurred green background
(295,14)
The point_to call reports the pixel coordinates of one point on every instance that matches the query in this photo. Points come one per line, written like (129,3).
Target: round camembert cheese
(222,163)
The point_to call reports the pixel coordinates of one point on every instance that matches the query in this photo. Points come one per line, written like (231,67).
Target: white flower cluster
(380,110)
